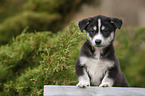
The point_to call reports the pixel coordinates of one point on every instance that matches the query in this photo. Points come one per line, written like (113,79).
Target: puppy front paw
(83,84)
(104,85)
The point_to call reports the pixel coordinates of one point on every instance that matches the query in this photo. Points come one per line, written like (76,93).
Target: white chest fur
(96,67)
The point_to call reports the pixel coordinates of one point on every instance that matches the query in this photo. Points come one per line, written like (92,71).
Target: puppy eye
(92,31)
(105,30)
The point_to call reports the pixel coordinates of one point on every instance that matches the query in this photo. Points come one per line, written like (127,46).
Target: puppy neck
(97,52)
(103,52)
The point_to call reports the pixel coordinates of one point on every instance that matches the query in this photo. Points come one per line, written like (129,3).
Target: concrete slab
(53,90)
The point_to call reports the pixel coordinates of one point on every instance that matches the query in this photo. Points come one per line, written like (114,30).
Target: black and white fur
(97,63)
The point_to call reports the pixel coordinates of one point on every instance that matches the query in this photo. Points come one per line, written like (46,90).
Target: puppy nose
(98,41)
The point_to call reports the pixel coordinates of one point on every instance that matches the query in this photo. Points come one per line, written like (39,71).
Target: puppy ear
(84,23)
(117,22)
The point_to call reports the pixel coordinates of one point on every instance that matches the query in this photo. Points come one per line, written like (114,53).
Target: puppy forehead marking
(99,24)
(95,28)
(103,27)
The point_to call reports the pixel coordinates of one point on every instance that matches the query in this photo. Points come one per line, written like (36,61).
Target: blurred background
(34,52)
(131,11)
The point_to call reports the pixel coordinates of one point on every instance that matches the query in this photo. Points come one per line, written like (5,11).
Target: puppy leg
(84,80)
(81,72)
(106,82)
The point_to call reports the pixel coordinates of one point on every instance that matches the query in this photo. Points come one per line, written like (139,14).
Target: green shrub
(57,66)
(34,21)
(22,53)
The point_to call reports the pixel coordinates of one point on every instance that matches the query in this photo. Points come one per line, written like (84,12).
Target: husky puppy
(97,63)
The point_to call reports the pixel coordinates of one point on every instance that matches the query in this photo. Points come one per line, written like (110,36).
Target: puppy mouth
(99,46)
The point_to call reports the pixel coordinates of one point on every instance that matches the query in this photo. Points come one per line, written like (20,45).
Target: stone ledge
(55,90)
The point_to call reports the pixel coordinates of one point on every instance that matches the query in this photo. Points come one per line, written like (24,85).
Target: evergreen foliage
(22,53)
(57,66)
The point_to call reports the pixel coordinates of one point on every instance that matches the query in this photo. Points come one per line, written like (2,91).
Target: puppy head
(100,29)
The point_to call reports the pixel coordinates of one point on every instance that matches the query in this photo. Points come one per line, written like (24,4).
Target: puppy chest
(96,68)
